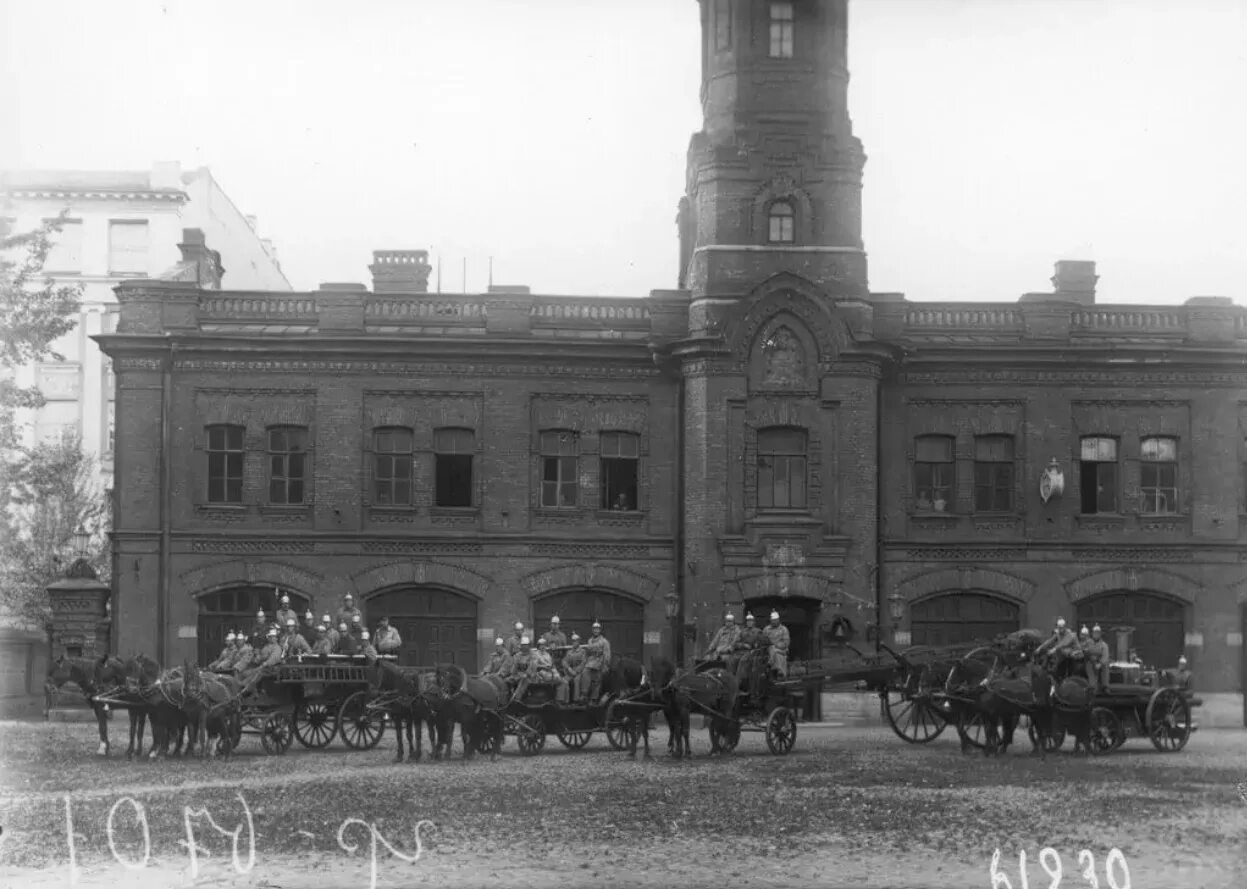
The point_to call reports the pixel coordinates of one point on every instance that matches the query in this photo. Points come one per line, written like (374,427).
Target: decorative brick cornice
(1072,376)
(405,368)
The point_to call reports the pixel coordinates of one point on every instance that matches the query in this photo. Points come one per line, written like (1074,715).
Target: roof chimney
(400,271)
(199,265)
(1074,281)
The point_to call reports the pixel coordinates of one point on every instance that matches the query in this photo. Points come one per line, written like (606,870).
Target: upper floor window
(391,466)
(225,453)
(781,468)
(933,472)
(1158,476)
(1097,471)
(722,25)
(993,473)
(287,464)
(65,253)
(452,455)
(620,454)
(780,221)
(781,30)
(559,450)
(127,247)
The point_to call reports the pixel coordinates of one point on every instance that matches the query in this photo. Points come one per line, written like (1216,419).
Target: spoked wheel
(277,734)
(574,740)
(1168,720)
(1105,730)
(1052,743)
(531,734)
(358,727)
(913,719)
(314,724)
(972,730)
(781,731)
(727,735)
(616,727)
(490,740)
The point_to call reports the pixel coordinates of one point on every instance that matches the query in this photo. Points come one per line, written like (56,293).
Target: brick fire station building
(771,434)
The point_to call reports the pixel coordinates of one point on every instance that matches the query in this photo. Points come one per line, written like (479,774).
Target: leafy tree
(34,312)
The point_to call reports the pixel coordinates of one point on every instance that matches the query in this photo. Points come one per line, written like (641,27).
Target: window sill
(1101,520)
(625,517)
(458,516)
(454,510)
(222,512)
(926,514)
(996,521)
(561,515)
(286,512)
(389,515)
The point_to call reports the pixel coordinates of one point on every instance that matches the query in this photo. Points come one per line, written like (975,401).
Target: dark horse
(476,704)
(635,707)
(91,677)
(966,691)
(1056,701)
(409,699)
(212,708)
(710,692)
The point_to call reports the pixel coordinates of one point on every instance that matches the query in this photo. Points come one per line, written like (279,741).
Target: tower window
(781,30)
(781,468)
(781,223)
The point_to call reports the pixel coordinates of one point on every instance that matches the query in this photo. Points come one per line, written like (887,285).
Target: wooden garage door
(234,609)
(956,618)
(438,626)
(622,619)
(1159,627)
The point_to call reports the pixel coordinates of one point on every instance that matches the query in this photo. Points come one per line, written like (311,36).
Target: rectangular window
(65,254)
(933,473)
(781,30)
(453,449)
(1158,476)
(781,469)
(287,464)
(993,473)
(225,453)
(127,247)
(620,457)
(1098,475)
(391,467)
(559,451)
(722,25)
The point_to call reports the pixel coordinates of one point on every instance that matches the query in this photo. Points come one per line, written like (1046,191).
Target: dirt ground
(849,807)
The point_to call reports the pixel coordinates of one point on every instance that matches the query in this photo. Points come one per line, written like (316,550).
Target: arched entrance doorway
(1158,621)
(437,625)
(622,618)
(800,616)
(234,608)
(954,618)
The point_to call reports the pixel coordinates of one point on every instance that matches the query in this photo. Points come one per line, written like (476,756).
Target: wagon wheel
(314,724)
(1168,720)
(1052,743)
(913,719)
(358,727)
(1106,731)
(725,737)
(616,728)
(531,734)
(277,734)
(574,740)
(490,740)
(781,731)
(971,729)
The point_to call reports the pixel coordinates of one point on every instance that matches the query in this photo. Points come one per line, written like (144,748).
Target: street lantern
(896,605)
(80,540)
(672,601)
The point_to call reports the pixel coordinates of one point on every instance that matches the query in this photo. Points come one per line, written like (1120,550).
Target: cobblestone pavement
(849,807)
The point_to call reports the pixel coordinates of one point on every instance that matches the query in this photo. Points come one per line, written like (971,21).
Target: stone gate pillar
(80,623)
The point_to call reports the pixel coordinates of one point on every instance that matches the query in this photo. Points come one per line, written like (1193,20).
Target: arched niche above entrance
(810,315)
(784,357)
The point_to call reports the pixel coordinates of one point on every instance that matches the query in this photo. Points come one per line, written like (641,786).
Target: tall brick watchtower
(780,373)
(774,177)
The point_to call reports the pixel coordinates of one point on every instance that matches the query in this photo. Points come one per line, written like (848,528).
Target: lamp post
(80,540)
(672,602)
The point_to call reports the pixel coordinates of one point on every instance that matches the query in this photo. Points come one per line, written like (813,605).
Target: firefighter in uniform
(723,642)
(330,630)
(292,643)
(228,653)
(574,668)
(348,612)
(597,661)
(259,630)
(1062,644)
(285,613)
(778,634)
(749,656)
(268,656)
(1095,659)
(1182,676)
(387,639)
(323,644)
(516,638)
(365,647)
(308,628)
(243,654)
(500,661)
(520,662)
(347,642)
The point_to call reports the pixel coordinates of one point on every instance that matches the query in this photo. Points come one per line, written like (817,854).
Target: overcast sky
(1001,135)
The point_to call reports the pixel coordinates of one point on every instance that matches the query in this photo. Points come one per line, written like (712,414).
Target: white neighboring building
(120,224)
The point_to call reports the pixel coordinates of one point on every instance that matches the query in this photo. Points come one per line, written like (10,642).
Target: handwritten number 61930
(1116,873)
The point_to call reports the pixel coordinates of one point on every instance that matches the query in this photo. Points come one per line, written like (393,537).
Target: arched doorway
(437,625)
(955,618)
(800,616)
(234,608)
(1158,621)
(622,618)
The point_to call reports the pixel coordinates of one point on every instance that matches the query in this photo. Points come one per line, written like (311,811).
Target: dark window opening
(993,473)
(620,458)
(453,449)
(1098,475)
(933,473)
(287,460)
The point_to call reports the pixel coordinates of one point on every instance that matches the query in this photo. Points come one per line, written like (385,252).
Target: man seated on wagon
(308,628)
(778,634)
(323,645)
(520,662)
(1096,657)
(500,661)
(366,649)
(748,656)
(1060,646)
(515,640)
(292,644)
(330,630)
(285,613)
(348,611)
(268,656)
(259,629)
(574,669)
(541,669)
(226,658)
(243,653)
(555,639)
(723,643)
(345,643)
(356,627)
